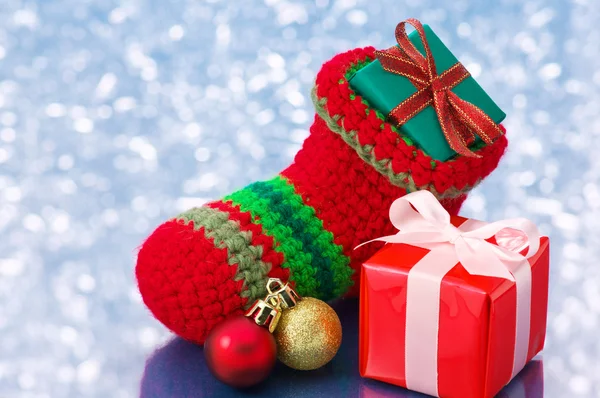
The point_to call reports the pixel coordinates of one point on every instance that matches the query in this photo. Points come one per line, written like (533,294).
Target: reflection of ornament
(240,353)
(308,335)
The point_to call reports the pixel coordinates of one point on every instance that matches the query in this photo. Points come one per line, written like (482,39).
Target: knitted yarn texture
(212,262)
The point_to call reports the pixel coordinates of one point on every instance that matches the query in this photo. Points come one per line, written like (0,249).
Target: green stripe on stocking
(333,255)
(303,273)
(318,265)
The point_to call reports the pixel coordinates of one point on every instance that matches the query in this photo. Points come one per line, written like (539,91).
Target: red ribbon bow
(460,120)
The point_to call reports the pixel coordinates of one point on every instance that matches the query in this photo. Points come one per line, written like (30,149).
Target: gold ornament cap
(266,312)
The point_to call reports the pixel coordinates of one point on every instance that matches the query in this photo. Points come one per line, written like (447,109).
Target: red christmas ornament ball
(239,352)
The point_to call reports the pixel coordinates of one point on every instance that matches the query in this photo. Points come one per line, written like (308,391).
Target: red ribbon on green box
(437,104)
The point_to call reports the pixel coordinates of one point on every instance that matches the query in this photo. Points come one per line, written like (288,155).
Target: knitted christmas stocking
(213,261)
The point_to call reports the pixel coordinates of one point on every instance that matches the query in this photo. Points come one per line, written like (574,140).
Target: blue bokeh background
(115,115)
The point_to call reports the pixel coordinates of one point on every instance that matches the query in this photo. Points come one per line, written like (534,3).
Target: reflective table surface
(117,115)
(178,370)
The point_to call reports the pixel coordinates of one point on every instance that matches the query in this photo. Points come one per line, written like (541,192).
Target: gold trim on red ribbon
(460,120)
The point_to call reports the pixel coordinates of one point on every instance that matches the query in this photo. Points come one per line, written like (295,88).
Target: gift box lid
(384,91)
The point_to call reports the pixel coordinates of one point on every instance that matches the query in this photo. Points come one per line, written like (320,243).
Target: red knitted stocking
(213,261)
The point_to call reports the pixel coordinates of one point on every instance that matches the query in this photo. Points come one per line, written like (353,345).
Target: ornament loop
(274,301)
(274,281)
(287,296)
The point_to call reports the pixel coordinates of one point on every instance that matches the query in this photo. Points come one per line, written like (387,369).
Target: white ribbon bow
(428,225)
(423,222)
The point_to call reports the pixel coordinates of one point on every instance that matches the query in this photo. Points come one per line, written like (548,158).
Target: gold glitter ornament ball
(308,335)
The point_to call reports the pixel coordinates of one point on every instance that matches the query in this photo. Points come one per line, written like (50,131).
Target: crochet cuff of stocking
(382,145)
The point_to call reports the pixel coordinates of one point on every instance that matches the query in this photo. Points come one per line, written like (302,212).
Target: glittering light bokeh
(115,115)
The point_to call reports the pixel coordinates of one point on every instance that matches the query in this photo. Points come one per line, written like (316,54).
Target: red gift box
(476,344)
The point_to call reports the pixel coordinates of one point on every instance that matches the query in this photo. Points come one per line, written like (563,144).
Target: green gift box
(385,90)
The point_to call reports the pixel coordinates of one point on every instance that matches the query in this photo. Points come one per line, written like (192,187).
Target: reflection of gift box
(529,383)
(448,327)
(384,91)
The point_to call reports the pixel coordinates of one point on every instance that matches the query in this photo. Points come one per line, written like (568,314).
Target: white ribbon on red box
(423,222)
